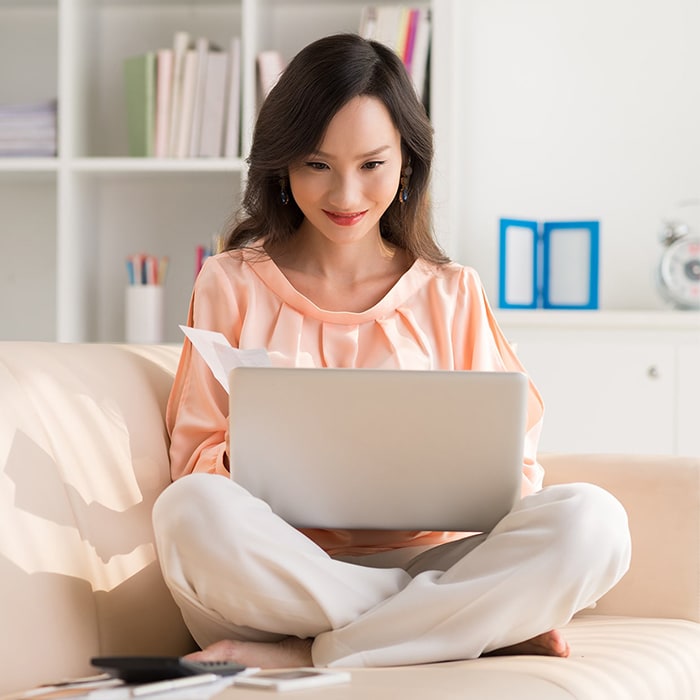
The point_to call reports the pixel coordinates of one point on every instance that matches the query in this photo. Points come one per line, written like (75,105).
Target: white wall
(578,109)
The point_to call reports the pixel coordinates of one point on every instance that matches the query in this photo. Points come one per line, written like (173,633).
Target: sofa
(84,454)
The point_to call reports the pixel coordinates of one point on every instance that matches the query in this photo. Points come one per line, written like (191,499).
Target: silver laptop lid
(379,449)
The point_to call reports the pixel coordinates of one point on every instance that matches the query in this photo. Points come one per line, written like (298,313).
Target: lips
(345,218)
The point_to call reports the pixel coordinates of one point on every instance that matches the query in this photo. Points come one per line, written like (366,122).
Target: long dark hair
(291,124)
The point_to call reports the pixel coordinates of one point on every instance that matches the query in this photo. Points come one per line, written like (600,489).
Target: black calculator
(147,669)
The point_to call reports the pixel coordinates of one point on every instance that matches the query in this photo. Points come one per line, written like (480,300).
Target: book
(140,89)
(388,24)
(368,22)
(164,77)
(402,28)
(410,39)
(28,129)
(214,107)
(187,98)
(405,30)
(232,135)
(421,51)
(181,42)
(202,49)
(270,67)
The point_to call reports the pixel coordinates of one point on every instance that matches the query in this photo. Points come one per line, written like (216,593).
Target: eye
(373,164)
(316,165)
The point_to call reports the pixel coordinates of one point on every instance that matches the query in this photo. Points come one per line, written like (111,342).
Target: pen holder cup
(144,311)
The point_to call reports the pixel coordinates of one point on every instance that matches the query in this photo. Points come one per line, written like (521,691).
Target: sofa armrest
(662,497)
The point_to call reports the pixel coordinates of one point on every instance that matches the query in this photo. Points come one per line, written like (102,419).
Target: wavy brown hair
(318,82)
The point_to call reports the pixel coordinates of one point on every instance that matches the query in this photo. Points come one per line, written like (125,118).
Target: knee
(201,523)
(592,523)
(197,507)
(181,504)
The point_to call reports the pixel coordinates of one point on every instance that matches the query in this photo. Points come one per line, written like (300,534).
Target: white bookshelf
(67,223)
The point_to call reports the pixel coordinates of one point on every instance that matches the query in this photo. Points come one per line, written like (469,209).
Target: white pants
(238,571)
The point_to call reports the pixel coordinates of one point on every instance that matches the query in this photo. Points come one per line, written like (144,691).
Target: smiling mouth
(345,218)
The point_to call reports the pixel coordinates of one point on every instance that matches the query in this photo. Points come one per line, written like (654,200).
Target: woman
(333,264)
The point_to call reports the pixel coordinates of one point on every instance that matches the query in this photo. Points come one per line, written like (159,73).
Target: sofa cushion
(83,455)
(612,658)
(620,658)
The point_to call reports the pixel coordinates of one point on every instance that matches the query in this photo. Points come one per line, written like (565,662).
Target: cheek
(302,187)
(387,185)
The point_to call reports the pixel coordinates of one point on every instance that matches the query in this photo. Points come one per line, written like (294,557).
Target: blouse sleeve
(486,348)
(197,410)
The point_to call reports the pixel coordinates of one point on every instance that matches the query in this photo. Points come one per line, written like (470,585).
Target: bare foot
(290,652)
(550,643)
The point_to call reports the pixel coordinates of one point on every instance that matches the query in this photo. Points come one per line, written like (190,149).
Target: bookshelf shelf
(158,165)
(88,208)
(8,166)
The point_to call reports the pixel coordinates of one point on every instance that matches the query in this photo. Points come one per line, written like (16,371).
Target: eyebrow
(369,154)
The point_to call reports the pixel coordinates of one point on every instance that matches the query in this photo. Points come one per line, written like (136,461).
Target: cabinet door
(688,437)
(604,396)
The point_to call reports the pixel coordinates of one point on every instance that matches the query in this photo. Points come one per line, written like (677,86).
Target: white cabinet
(613,381)
(68,223)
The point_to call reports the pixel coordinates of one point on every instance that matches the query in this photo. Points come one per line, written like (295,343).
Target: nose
(345,192)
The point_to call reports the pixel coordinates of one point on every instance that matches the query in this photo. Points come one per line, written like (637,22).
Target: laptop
(379,449)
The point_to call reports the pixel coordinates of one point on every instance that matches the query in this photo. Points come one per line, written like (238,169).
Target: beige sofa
(83,455)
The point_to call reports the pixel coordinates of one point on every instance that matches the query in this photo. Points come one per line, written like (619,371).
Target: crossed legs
(241,575)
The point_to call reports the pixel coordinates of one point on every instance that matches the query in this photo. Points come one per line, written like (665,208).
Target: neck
(316,256)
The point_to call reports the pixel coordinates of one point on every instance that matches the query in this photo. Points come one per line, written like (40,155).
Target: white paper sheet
(221,358)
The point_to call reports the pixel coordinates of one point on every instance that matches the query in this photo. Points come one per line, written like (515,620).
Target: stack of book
(28,130)
(406,30)
(184,101)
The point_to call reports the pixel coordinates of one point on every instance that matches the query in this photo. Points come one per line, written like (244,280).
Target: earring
(403,187)
(284,197)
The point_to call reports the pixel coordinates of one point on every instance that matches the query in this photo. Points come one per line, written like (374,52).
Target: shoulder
(222,293)
(453,289)
(229,267)
(452,274)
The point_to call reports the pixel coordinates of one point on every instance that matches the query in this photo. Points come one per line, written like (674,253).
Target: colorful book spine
(181,42)
(140,87)
(164,73)
(404,29)
(214,108)
(184,101)
(202,50)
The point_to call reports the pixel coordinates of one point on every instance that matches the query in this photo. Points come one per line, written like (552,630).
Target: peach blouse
(434,317)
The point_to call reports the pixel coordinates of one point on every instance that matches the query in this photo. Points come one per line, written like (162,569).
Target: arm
(486,348)
(197,412)
(662,497)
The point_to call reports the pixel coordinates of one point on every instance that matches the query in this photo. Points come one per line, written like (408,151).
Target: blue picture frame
(585,291)
(529,295)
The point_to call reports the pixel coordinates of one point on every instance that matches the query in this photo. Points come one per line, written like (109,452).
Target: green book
(140,89)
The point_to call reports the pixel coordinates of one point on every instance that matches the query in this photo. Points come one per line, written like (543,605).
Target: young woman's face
(349,182)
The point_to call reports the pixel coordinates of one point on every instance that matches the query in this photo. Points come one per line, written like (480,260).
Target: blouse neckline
(272,276)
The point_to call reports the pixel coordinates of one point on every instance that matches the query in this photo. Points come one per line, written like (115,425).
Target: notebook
(379,449)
